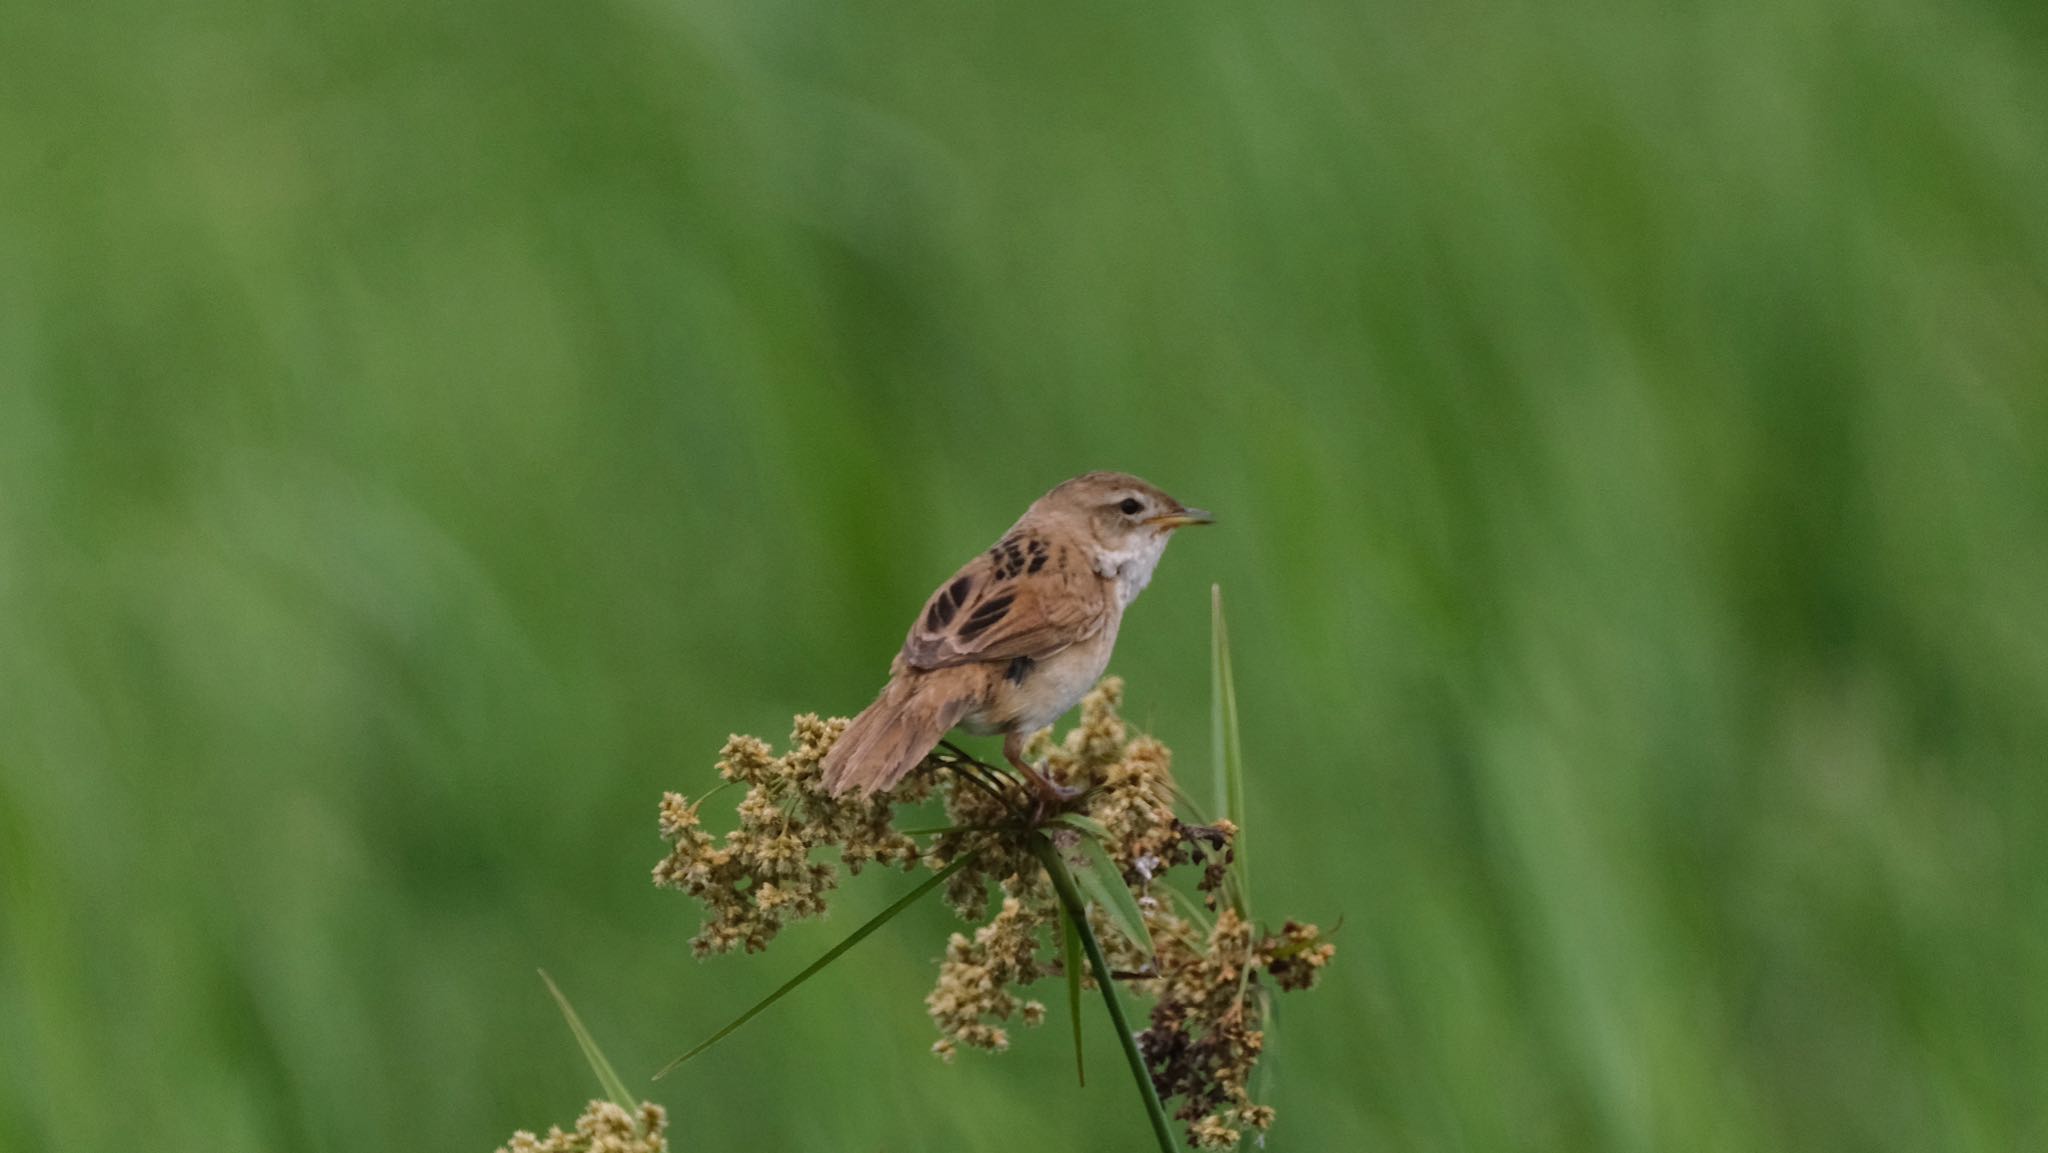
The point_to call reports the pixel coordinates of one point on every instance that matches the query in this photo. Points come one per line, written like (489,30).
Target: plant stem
(1077,911)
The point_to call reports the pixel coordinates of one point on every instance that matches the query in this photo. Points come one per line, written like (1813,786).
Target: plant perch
(1084,868)
(1092,870)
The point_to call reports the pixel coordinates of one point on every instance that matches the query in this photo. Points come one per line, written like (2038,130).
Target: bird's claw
(1052,797)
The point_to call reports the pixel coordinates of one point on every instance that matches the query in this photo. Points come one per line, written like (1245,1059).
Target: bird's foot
(1050,796)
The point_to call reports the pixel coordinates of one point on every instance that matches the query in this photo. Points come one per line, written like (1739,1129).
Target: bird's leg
(1050,793)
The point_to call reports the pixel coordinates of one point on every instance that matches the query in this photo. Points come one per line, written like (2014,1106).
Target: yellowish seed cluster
(603,1128)
(762,875)
(999,860)
(976,976)
(1093,747)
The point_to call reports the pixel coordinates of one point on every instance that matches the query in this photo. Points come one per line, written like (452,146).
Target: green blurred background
(426,430)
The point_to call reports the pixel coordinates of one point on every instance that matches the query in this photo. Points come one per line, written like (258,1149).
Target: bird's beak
(1183,517)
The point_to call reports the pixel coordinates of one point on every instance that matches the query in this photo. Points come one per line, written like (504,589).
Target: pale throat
(1131,565)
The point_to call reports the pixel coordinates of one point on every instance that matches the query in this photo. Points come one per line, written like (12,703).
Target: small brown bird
(1019,634)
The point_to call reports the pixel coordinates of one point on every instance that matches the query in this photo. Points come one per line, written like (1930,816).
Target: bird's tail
(891,736)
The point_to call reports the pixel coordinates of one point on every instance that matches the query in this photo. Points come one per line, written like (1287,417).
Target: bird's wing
(1026,597)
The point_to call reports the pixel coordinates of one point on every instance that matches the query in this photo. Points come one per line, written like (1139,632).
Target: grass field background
(426,430)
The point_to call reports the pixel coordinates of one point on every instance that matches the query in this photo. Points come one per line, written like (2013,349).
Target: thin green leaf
(1070,943)
(1104,884)
(1077,915)
(879,919)
(1194,911)
(1081,823)
(1226,747)
(607,1076)
(1194,807)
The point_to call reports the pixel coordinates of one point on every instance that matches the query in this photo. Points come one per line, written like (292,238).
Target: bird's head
(1121,516)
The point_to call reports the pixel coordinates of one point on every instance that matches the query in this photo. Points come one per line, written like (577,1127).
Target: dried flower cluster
(603,1128)
(761,876)
(1206,1033)
(1127,786)
(976,977)
(1209,966)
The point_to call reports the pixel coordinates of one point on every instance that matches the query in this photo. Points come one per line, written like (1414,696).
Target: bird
(1018,635)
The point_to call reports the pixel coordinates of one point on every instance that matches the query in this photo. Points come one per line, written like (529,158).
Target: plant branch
(972,769)
(1077,911)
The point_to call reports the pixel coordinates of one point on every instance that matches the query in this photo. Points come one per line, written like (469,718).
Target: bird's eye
(1131,506)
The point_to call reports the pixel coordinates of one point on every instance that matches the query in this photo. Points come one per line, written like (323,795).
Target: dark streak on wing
(947,603)
(1037,548)
(986,614)
(1015,555)
(991,617)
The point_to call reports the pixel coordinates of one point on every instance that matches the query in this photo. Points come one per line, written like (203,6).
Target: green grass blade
(608,1077)
(1082,824)
(1192,910)
(1226,747)
(1077,916)
(854,938)
(1070,944)
(1104,884)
